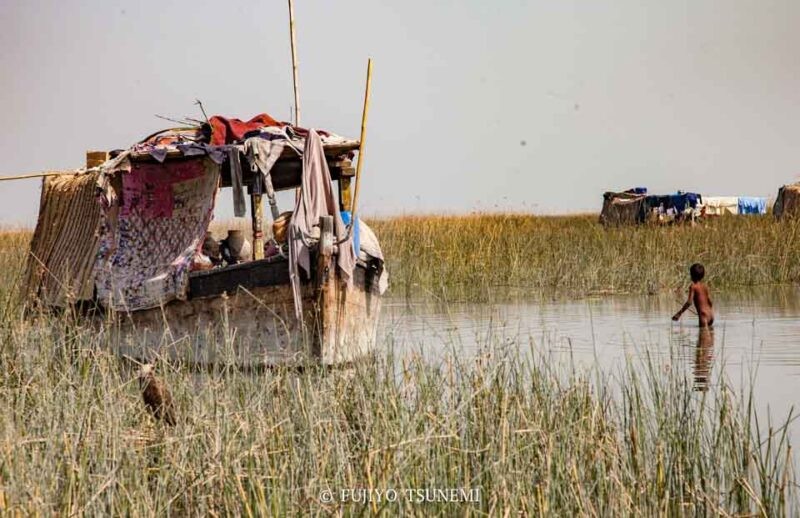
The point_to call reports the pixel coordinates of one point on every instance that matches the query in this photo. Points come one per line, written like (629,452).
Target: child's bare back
(700,297)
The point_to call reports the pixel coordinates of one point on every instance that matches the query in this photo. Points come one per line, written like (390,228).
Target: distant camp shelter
(636,206)
(787,202)
(125,238)
(622,208)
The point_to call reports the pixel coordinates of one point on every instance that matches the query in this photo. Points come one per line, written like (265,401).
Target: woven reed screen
(65,242)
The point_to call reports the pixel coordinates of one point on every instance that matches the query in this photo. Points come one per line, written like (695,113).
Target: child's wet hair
(697,272)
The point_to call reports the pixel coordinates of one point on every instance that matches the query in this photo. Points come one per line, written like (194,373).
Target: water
(755,342)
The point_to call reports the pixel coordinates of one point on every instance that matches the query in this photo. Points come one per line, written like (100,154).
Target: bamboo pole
(40,175)
(294,65)
(361,145)
(295,78)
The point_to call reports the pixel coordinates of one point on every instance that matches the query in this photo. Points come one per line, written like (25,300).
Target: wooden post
(361,144)
(294,66)
(345,197)
(95,158)
(257,221)
(325,307)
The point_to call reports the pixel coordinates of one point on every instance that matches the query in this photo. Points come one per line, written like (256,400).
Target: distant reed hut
(787,203)
(623,208)
(635,206)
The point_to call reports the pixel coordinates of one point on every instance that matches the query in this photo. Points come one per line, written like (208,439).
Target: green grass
(477,257)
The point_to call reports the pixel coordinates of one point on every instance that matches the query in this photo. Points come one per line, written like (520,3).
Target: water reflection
(703,358)
(754,342)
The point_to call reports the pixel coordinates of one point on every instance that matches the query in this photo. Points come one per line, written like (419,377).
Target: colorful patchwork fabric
(151,235)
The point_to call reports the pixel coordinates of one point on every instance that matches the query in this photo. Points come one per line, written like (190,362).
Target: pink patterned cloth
(152,233)
(149,191)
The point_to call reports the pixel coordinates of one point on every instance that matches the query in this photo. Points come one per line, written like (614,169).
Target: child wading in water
(698,294)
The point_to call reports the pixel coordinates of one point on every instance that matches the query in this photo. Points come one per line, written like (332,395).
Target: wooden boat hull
(245,316)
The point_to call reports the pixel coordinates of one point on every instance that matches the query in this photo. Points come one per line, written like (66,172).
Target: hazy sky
(535,106)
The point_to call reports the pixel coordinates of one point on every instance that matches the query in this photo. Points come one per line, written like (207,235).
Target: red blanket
(227,131)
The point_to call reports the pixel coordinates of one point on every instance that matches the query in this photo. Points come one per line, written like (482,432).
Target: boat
(123,240)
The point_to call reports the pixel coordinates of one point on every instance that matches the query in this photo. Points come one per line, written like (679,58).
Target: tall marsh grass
(530,436)
(472,257)
(526,436)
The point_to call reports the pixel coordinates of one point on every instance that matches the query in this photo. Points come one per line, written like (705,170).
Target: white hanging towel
(719,205)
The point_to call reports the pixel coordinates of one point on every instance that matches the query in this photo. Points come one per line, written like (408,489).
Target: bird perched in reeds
(156,395)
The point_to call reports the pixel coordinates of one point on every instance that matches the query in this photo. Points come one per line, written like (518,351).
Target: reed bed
(508,429)
(476,257)
(485,256)
(515,432)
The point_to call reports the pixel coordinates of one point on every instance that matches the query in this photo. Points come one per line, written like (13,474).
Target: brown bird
(156,395)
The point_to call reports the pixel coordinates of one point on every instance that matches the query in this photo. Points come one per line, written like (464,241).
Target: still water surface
(754,341)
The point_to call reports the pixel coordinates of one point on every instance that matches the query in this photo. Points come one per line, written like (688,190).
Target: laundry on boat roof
(219,135)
